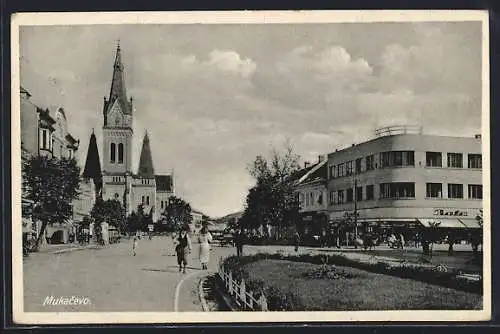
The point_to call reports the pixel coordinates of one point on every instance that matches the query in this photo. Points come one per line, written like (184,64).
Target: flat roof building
(404,177)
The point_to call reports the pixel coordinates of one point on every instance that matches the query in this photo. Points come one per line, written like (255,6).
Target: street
(113,280)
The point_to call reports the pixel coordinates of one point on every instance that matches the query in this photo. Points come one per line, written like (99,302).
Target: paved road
(114,280)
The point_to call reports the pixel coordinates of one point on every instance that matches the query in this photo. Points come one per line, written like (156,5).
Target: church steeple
(92,169)
(118,91)
(146,168)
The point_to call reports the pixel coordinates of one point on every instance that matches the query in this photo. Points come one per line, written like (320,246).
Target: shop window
(455,190)
(434,190)
(433,159)
(475,191)
(455,160)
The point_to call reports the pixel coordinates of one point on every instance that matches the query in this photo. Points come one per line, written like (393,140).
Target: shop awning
(442,223)
(469,223)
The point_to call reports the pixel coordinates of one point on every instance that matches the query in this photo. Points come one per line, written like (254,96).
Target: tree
(52,184)
(272,200)
(177,214)
(110,211)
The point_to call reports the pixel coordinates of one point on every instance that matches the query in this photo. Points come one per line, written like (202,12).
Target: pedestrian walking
(182,249)
(451,241)
(239,241)
(401,241)
(134,246)
(205,238)
(296,240)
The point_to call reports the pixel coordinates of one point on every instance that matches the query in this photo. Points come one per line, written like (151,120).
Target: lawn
(361,290)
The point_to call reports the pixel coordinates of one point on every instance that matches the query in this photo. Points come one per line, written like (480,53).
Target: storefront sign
(448,212)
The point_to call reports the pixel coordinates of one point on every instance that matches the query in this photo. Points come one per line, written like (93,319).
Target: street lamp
(355,190)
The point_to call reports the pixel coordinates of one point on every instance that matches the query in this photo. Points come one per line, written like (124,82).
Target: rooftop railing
(398,130)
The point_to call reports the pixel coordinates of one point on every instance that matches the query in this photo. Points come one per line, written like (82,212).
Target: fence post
(263,302)
(230,283)
(250,300)
(243,293)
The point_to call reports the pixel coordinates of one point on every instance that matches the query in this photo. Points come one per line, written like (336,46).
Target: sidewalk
(459,260)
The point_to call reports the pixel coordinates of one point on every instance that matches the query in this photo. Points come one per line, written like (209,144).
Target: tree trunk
(41,235)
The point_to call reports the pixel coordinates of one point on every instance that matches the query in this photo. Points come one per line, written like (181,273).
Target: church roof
(146,168)
(118,91)
(163,182)
(92,167)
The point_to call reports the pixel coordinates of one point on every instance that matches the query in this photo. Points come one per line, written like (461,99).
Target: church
(116,180)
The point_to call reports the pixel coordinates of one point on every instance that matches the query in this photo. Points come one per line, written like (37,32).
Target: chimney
(477,136)
(306,164)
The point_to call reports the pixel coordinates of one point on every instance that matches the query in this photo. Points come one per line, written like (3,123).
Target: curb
(227,299)
(201,294)
(67,250)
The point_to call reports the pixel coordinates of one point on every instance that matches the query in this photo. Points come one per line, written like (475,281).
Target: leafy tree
(272,200)
(133,222)
(177,214)
(110,211)
(52,184)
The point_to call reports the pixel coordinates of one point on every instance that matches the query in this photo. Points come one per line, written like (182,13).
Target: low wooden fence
(244,298)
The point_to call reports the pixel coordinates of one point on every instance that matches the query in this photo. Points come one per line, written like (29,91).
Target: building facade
(312,192)
(118,180)
(44,132)
(403,178)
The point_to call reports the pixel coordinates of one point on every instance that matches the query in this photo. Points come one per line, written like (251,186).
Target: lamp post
(355,206)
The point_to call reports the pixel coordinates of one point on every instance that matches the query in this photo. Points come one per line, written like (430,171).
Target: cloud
(232,62)
(214,97)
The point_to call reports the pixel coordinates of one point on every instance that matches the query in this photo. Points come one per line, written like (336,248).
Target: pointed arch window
(120,153)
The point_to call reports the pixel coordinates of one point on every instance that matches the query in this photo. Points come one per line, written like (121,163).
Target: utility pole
(355,206)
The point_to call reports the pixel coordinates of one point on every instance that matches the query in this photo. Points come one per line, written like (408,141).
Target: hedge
(438,275)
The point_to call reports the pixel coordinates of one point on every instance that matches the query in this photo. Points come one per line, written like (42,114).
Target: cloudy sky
(212,97)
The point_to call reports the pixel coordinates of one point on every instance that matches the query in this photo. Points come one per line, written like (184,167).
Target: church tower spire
(118,90)
(92,169)
(146,168)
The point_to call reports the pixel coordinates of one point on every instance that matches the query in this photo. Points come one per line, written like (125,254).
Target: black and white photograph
(250,166)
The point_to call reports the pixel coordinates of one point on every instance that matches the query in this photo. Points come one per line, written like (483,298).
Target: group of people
(184,246)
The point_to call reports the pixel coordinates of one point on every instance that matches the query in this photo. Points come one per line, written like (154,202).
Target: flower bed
(293,285)
(438,275)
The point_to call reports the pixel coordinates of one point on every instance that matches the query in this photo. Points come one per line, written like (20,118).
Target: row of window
(46,142)
(309,199)
(402,159)
(113,153)
(402,190)
(145,200)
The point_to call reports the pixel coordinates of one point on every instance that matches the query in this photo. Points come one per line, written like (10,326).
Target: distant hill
(229,217)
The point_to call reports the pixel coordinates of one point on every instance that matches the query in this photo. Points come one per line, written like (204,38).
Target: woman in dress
(204,239)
